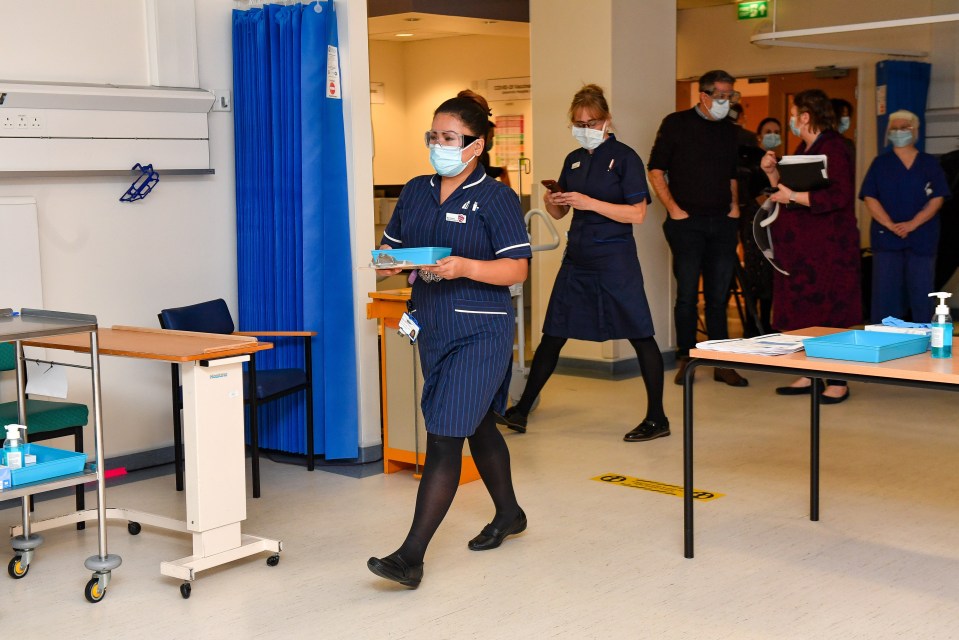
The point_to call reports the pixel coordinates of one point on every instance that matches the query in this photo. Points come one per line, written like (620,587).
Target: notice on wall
(508,89)
(377,93)
(508,141)
(881,100)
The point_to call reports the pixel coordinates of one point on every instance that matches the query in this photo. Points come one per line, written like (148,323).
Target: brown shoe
(730,377)
(681,362)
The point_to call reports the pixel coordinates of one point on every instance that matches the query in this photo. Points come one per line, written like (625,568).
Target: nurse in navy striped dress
(465,313)
(598,294)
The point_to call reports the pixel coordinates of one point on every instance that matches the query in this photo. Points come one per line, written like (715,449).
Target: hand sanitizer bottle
(941,327)
(12,447)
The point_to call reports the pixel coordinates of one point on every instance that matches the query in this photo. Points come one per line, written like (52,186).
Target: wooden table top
(157,344)
(922,367)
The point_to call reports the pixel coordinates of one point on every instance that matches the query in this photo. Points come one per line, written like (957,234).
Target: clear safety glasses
(448,139)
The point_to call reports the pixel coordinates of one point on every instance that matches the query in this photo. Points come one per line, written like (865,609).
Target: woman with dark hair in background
(598,294)
(463,307)
(816,238)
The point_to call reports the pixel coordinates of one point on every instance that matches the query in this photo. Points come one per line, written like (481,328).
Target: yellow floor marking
(658,487)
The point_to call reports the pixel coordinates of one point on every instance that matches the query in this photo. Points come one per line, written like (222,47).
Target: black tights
(650,364)
(441,477)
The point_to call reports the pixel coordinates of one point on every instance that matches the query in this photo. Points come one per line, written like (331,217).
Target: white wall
(418,76)
(125,262)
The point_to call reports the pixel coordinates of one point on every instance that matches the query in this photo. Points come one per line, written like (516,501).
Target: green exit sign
(750,10)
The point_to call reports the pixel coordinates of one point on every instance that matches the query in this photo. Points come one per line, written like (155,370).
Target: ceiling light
(404,35)
(489,21)
(412,19)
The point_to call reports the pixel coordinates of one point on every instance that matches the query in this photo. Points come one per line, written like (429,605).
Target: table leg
(814,451)
(688,457)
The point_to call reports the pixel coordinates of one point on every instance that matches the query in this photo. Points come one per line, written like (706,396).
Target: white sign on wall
(377,93)
(508,89)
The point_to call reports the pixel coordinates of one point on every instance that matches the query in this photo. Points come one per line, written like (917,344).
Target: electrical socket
(23,121)
(35,122)
(8,121)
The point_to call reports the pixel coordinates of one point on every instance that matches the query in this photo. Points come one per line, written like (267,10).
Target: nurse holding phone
(598,294)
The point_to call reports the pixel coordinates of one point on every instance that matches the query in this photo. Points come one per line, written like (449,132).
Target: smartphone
(552,185)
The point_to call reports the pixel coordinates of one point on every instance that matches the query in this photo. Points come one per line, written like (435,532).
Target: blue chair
(214,317)
(45,420)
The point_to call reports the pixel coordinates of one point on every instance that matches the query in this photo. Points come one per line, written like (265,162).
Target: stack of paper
(774,344)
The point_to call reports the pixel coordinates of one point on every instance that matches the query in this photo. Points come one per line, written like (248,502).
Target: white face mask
(719,110)
(589,138)
(771,141)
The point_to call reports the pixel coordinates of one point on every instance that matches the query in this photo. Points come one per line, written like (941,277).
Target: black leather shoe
(730,377)
(514,419)
(648,430)
(824,399)
(491,537)
(394,568)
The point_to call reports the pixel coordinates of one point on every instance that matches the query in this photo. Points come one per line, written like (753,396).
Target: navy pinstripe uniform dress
(598,294)
(466,327)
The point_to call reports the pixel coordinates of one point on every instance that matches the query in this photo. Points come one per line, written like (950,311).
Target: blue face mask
(900,138)
(793,127)
(771,141)
(844,123)
(447,160)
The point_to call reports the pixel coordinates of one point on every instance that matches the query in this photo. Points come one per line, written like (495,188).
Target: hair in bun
(591,98)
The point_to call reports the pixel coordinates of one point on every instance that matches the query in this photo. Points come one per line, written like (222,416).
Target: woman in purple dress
(816,238)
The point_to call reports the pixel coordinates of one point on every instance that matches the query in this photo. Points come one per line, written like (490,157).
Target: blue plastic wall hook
(142,185)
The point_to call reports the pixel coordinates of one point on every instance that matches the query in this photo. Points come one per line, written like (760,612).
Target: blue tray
(412,257)
(866,346)
(50,464)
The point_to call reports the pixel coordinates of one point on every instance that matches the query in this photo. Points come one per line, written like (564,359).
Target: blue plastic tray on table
(51,463)
(865,346)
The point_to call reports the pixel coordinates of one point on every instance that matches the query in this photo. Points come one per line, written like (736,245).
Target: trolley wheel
(134,528)
(93,591)
(185,590)
(273,560)
(17,568)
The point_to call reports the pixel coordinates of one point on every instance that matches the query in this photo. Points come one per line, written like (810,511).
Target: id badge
(409,327)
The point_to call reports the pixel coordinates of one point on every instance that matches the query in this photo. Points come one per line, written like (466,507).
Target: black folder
(803,173)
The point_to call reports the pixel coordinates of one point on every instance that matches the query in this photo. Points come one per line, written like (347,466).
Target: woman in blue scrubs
(598,294)
(903,191)
(466,326)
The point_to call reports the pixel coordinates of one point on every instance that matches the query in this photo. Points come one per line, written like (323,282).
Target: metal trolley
(37,323)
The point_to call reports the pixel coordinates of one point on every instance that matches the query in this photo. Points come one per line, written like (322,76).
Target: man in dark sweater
(692,168)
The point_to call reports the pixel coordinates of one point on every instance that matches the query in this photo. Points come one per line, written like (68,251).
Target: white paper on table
(46,380)
(774,344)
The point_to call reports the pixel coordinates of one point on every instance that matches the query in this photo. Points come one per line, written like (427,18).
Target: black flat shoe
(797,391)
(823,399)
(491,537)
(394,568)
(794,391)
(648,430)
(513,419)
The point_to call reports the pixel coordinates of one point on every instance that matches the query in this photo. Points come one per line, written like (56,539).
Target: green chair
(45,420)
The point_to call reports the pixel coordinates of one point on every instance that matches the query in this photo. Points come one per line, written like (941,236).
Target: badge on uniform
(456,217)
(409,327)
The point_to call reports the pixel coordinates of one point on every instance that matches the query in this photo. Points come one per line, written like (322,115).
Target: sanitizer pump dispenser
(941,327)
(12,447)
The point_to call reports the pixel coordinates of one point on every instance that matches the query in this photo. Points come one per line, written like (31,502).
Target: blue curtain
(294,264)
(905,85)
